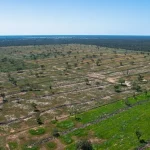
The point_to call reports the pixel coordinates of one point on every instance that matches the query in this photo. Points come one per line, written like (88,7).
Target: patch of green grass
(38,131)
(51,145)
(119,131)
(102,110)
(65,124)
(80,133)
(66,139)
(95,113)
(71,147)
(139,97)
(13,145)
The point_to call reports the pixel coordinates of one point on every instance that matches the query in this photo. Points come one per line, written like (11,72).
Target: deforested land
(61,96)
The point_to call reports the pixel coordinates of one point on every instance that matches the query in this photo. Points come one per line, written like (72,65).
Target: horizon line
(74,35)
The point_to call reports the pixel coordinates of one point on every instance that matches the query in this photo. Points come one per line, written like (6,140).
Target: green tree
(98,62)
(121,81)
(55,133)
(87,81)
(138,134)
(43,67)
(84,145)
(117,88)
(34,106)
(136,87)
(38,119)
(127,103)
(4,97)
(121,64)
(140,77)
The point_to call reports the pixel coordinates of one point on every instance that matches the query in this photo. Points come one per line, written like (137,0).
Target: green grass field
(119,131)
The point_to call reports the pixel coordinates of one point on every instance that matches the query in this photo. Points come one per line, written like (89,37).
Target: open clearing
(79,91)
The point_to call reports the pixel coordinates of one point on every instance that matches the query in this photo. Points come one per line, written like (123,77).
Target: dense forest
(140,43)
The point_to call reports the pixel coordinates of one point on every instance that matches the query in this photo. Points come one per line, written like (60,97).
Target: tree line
(131,43)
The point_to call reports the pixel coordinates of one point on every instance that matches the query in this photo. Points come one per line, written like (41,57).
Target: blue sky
(52,17)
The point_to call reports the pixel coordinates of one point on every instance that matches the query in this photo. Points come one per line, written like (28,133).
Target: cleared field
(77,90)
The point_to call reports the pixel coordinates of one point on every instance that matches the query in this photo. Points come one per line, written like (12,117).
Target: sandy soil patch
(106,98)
(112,80)
(62,117)
(96,75)
(60,146)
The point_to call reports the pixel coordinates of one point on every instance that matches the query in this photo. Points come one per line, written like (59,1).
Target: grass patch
(51,145)
(65,124)
(71,147)
(95,113)
(119,130)
(139,97)
(80,133)
(13,145)
(38,131)
(66,139)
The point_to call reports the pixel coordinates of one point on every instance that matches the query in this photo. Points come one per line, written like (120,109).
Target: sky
(74,17)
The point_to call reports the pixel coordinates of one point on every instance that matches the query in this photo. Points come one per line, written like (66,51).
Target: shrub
(84,145)
(55,133)
(13,145)
(39,121)
(137,87)
(117,88)
(121,81)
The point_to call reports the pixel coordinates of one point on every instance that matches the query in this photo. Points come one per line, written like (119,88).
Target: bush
(142,141)
(117,88)
(84,145)
(13,145)
(39,121)
(137,87)
(122,81)
(80,133)
(55,133)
